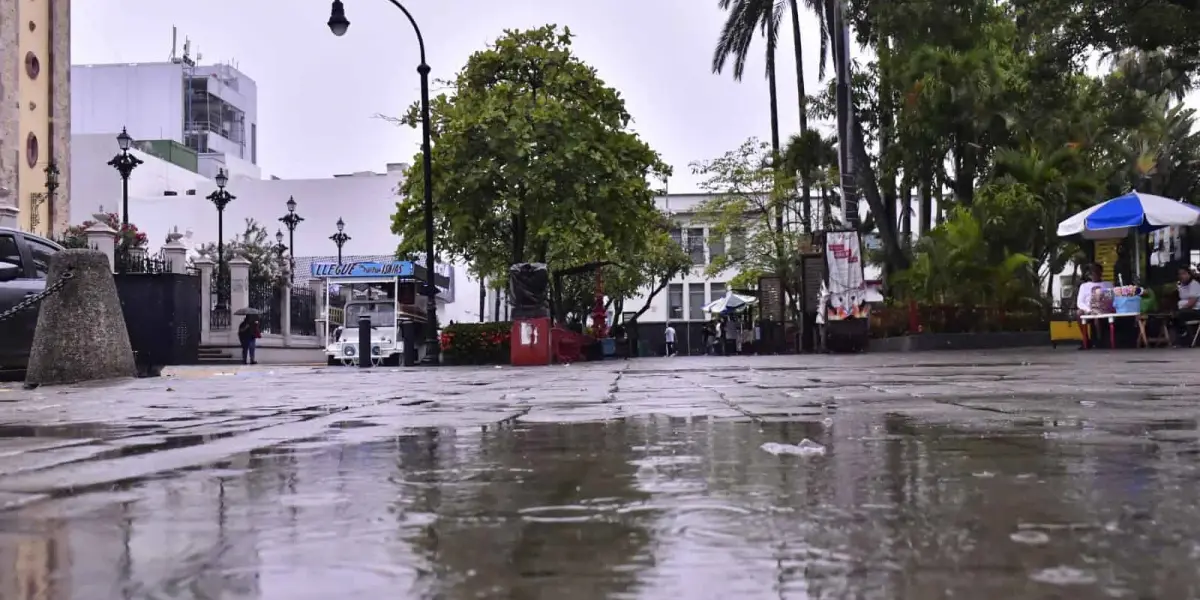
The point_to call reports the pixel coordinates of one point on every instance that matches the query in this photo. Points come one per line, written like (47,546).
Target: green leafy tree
(955,265)
(662,261)
(256,245)
(533,160)
(746,197)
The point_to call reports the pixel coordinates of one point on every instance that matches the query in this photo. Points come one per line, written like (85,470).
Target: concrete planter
(960,341)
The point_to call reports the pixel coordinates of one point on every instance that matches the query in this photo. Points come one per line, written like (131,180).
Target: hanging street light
(339,24)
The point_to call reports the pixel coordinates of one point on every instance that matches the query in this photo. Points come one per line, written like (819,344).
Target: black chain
(33,301)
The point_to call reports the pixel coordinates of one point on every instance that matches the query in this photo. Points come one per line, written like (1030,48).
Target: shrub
(477,343)
(128,235)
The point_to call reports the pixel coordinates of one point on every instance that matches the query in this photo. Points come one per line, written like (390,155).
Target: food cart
(386,292)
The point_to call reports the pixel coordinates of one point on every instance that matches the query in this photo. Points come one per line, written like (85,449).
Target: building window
(696,301)
(254,143)
(33,67)
(715,291)
(716,246)
(677,236)
(31,150)
(737,244)
(675,301)
(695,245)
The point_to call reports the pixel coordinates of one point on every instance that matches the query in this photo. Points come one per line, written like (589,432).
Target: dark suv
(24,262)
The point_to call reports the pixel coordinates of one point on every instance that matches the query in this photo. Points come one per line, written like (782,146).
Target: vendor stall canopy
(1135,211)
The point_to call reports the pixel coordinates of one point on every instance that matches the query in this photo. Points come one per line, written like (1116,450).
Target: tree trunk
(886,129)
(805,174)
(774,120)
(906,212)
(941,201)
(893,254)
(925,204)
(799,66)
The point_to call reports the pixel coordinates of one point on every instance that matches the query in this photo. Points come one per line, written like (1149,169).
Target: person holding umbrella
(248,334)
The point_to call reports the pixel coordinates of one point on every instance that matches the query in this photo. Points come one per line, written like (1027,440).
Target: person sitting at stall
(1084,299)
(1087,290)
(1189,294)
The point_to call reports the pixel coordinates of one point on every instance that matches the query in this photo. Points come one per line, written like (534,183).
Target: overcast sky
(317,92)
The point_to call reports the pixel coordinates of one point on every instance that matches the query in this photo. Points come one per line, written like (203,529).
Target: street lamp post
(221,198)
(340,238)
(279,248)
(338,24)
(124,163)
(291,220)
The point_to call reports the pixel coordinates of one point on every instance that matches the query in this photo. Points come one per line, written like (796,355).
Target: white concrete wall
(209,163)
(99,184)
(147,99)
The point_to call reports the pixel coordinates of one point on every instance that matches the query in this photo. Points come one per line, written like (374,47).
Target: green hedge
(477,343)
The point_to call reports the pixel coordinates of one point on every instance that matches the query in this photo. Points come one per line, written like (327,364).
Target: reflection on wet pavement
(937,481)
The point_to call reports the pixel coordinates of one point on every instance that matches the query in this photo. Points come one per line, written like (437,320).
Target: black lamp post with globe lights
(340,238)
(221,198)
(279,248)
(124,163)
(339,24)
(291,220)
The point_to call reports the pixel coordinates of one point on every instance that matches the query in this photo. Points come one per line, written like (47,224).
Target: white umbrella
(1133,212)
(731,302)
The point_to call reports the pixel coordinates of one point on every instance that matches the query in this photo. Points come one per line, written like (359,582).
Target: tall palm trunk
(805,185)
(771,41)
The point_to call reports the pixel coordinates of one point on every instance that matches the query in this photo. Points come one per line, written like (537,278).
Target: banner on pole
(847,291)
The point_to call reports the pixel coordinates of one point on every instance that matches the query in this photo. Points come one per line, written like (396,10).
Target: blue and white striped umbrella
(1134,211)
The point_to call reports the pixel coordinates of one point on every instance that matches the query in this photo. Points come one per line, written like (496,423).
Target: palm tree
(748,17)
(807,154)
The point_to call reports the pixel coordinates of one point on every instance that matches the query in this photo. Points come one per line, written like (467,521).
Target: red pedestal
(530,342)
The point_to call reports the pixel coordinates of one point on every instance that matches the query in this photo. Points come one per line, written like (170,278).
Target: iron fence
(137,263)
(219,318)
(304,311)
(267,297)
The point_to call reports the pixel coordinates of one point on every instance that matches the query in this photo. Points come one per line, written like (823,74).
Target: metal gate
(162,315)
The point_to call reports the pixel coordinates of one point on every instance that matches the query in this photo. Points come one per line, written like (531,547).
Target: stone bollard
(81,334)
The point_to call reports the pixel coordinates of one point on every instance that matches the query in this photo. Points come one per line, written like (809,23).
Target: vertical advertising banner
(847,289)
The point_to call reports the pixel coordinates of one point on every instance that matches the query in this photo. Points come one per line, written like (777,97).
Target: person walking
(731,337)
(669,336)
(248,334)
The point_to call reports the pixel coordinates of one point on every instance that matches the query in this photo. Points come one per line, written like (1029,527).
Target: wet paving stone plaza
(1000,475)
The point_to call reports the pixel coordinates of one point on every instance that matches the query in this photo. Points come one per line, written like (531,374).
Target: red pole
(599,328)
(914,318)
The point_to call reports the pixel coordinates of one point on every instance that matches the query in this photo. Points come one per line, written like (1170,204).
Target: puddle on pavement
(646,507)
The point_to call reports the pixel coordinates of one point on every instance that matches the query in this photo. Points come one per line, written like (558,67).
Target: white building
(189,121)
(211,110)
(686,295)
(164,196)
